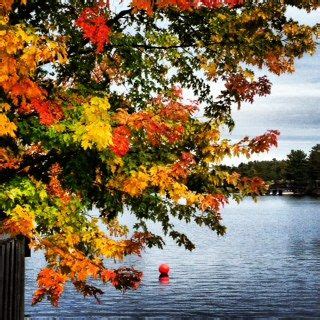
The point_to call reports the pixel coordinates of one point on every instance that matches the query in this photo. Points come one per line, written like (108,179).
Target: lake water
(268,265)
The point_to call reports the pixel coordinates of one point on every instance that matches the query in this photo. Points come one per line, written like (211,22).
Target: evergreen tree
(297,167)
(314,166)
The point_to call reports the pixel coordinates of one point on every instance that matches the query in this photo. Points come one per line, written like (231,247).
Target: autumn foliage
(93,22)
(95,119)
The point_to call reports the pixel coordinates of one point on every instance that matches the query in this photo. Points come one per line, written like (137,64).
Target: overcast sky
(293,106)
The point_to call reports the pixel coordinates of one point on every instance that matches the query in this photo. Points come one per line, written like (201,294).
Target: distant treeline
(300,172)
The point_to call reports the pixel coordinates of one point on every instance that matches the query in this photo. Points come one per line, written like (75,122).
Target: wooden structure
(287,187)
(12,274)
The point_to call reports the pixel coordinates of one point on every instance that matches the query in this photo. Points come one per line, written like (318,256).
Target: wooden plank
(1,279)
(10,275)
(6,279)
(16,272)
(12,269)
(21,278)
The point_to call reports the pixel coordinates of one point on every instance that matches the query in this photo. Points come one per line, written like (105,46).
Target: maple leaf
(8,160)
(6,126)
(136,184)
(88,290)
(212,4)
(94,26)
(145,5)
(121,141)
(51,284)
(126,278)
(183,5)
(245,90)
(49,112)
(94,127)
(264,142)
(54,185)
(21,222)
(254,185)
(213,202)
(6,5)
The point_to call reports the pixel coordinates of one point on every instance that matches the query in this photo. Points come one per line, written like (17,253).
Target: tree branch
(146,46)
(120,15)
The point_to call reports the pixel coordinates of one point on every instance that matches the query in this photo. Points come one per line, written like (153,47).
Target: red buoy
(164,269)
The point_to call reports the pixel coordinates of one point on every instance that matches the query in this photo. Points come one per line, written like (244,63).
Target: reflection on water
(267,265)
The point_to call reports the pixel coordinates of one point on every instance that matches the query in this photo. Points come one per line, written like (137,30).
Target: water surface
(268,265)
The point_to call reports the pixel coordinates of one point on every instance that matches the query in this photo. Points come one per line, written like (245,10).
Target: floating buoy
(164,269)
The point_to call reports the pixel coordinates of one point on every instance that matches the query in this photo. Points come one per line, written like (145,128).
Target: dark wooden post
(12,272)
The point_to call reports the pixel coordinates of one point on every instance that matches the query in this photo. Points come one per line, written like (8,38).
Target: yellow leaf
(6,126)
(94,127)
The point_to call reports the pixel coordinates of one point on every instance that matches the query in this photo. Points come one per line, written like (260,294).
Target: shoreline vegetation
(298,174)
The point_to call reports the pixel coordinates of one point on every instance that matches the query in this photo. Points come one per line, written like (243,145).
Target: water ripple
(268,265)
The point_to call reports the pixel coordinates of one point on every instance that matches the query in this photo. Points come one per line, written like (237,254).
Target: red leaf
(94,26)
